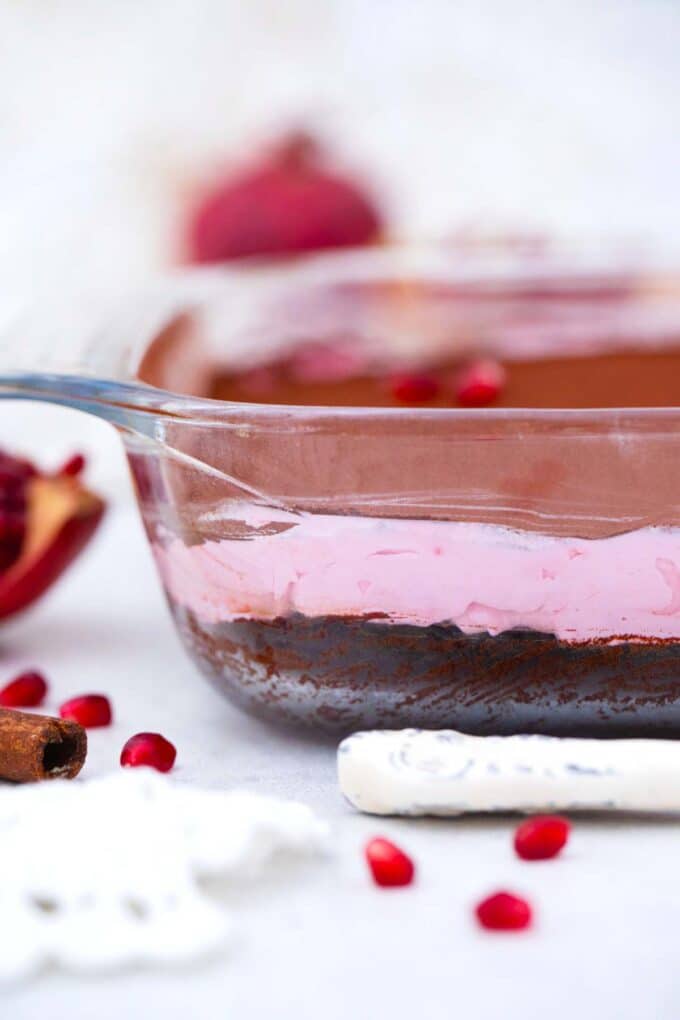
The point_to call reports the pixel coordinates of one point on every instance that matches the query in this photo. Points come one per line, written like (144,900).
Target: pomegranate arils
(14,470)
(479,383)
(503,912)
(389,865)
(149,749)
(45,521)
(541,837)
(27,690)
(14,477)
(414,389)
(74,466)
(90,710)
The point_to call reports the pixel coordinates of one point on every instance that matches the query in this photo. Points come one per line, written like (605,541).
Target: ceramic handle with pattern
(442,772)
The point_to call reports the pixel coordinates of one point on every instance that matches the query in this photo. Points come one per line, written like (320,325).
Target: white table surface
(323,942)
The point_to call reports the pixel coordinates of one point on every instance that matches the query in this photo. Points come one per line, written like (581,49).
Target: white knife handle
(442,772)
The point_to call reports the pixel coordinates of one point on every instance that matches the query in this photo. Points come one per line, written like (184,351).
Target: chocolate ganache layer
(577,345)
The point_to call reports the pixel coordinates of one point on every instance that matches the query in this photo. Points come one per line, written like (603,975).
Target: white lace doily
(106,872)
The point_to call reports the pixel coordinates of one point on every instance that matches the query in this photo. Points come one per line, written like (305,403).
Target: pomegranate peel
(480,383)
(61,517)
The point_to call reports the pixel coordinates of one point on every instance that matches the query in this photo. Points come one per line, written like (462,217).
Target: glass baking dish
(493,570)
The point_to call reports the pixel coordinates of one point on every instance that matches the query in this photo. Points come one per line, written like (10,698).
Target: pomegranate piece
(14,477)
(45,521)
(414,389)
(12,531)
(89,710)
(389,865)
(286,202)
(479,384)
(28,690)
(74,466)
(542,837)
(504,912)
(149,749)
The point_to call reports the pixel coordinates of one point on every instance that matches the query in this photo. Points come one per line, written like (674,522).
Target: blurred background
(460,116)
(493,115)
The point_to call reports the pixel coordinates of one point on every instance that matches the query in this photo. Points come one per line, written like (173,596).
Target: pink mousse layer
(480,577)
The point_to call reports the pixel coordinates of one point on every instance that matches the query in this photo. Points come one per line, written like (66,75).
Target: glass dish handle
(67,357)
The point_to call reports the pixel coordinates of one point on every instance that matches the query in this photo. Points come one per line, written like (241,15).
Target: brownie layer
(340,674)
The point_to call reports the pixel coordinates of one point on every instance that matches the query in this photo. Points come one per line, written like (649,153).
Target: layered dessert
(404,527)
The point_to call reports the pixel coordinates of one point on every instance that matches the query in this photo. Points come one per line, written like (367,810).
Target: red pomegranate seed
(89,710)
(503,912)
(542,837)
(414,389)
(73,466)
(480,384)
(389,865)
(149,749)
(27,690)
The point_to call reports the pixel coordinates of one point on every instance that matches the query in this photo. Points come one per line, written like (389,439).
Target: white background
(503,114)
(551,116)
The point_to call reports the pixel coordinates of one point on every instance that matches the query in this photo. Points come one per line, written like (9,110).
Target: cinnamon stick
(34,747)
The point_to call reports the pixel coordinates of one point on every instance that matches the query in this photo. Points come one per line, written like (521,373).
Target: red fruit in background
(503,912)
(45,521)
(541,838)
(149,749)
(288,202)
(27,690)
(89,710)
(389,865)
(480,384)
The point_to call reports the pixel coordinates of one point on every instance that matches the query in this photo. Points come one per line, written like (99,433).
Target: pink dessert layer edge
(480,577)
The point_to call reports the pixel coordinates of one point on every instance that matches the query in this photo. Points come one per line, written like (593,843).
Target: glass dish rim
(604,256)
(185,288)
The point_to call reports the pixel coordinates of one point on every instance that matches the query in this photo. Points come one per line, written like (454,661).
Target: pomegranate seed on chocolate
(479,384)
(542,837)
(415,389)
(389,865)
(503,911)
(90,710)
(150,749)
